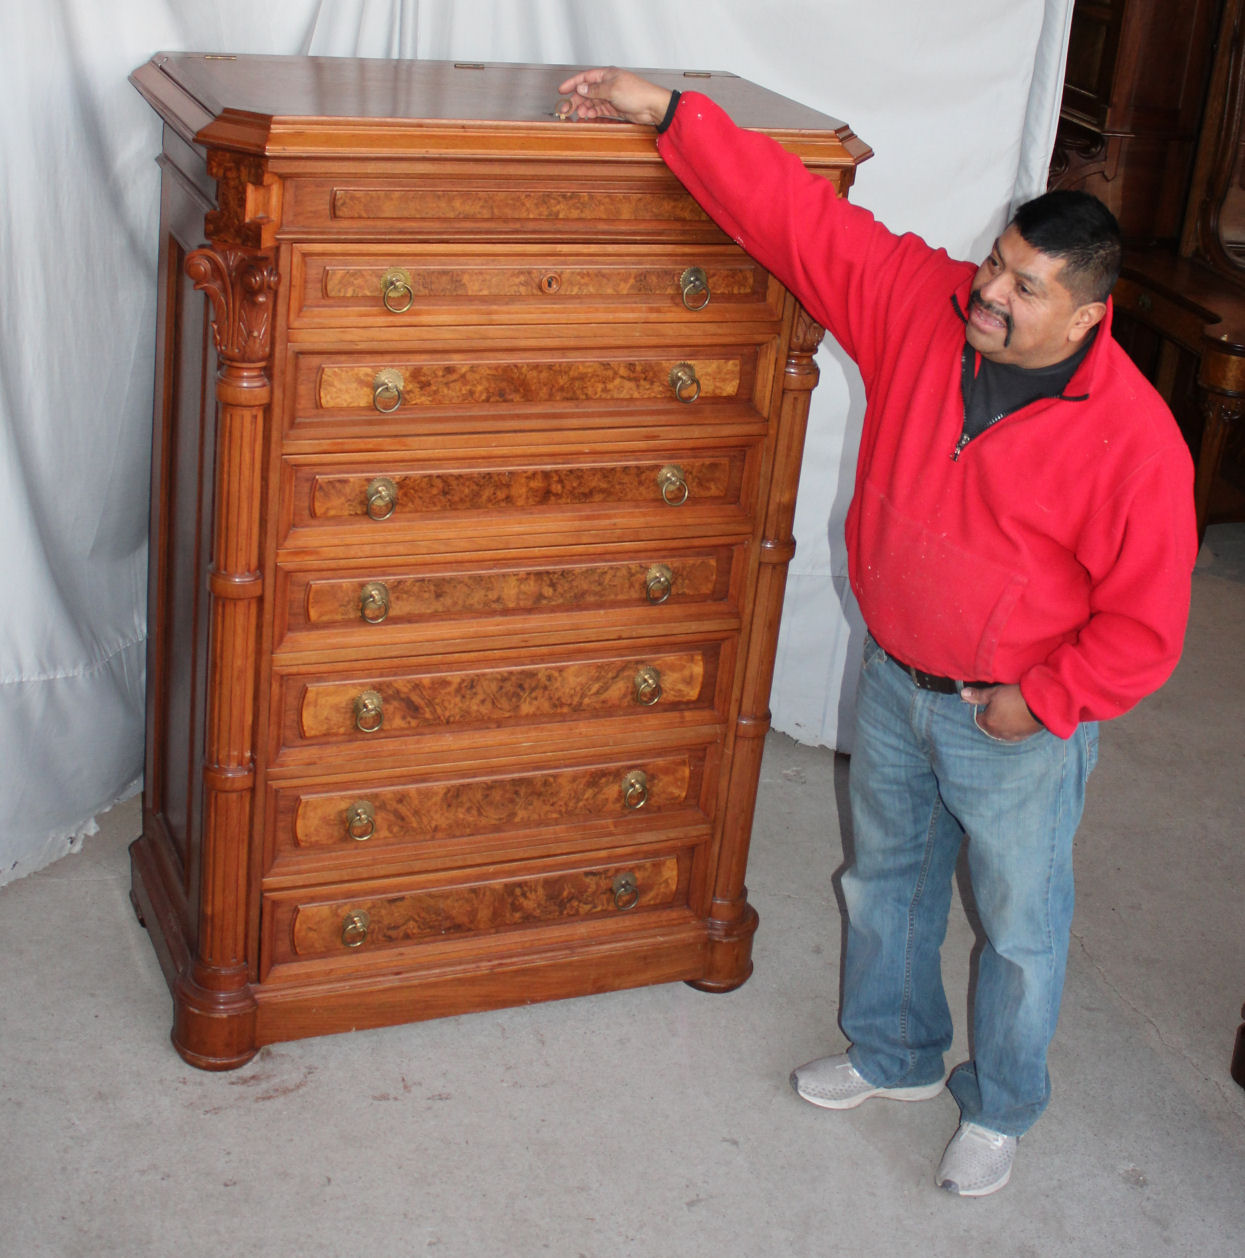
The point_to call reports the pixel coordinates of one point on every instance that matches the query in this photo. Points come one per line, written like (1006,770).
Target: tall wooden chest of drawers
(472,492)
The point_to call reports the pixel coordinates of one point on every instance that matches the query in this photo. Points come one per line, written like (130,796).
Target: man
(1020,540)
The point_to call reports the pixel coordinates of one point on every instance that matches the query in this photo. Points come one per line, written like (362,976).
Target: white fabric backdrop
(958,100)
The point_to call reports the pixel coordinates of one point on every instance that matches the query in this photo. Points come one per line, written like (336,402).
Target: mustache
(975,299)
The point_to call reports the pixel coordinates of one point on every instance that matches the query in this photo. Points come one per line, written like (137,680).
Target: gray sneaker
(834,1083)
(977,1162)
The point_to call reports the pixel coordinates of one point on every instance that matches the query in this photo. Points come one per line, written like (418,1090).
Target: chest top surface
(291,105)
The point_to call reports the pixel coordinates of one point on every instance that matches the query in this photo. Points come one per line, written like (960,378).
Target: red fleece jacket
(1056,551)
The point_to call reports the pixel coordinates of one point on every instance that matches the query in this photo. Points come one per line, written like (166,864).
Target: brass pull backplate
(374,602)
(369,712)
(685,382)
(658,583)
(694,285)
(635,789)
(626,891)
(382,498)
(355,927)
(647,686)
(396,291)
(673,485)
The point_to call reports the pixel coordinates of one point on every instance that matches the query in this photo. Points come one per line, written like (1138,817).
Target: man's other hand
(1003,713)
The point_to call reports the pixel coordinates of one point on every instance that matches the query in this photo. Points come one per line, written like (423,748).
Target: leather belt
(931,681)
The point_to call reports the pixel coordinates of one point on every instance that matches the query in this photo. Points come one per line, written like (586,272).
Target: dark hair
(1080,231)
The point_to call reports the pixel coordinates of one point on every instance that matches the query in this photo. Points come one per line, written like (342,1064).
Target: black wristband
(664,124)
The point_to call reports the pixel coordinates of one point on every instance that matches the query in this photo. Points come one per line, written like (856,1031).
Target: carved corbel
(248,200)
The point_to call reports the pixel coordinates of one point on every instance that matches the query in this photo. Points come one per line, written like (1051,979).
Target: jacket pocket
(930,601)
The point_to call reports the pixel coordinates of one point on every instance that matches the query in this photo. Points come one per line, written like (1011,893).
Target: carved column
(1221,392)
(732,920)
(214,1009)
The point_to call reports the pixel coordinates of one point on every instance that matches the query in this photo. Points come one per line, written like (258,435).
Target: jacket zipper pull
(959,445)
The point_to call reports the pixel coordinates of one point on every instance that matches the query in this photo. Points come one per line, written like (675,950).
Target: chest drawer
(379,502)
(367,924)
(378,603)
(400,391)
(388,287)
(431,202)
(360,711)
(439,819)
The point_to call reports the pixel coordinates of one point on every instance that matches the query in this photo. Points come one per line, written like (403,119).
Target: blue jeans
(923,777)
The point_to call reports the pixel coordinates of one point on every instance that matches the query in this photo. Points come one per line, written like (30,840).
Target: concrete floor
(658,1123)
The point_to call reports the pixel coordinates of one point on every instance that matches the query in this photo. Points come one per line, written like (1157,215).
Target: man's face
(1020,313)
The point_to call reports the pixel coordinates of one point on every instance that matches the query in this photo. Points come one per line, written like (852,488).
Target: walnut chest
(472,493)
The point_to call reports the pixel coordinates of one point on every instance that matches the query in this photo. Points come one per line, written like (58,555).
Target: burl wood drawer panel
(452,819)
(373,501)
(364,709)
(370,603)
(403,390)
(391,286)
(435,203)
(380,919)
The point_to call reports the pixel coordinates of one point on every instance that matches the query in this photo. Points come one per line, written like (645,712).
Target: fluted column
(214,1009)
(733,921)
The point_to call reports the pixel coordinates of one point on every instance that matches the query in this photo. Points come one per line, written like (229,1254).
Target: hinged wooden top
(348,106)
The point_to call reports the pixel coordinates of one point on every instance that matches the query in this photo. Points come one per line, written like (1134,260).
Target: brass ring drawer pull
(635,789)
(382,498)
(355,927)
(694,284)
(647,686)
(685,383)
(658,583)
(361,820)
(387,390)
(374,602)
(673,485)
(626,892)
(369,712)
(396,291)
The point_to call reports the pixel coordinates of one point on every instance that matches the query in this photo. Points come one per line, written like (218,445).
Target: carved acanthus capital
(806,333)
(240,285)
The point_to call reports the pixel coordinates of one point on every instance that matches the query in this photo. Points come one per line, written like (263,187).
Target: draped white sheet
(958,100)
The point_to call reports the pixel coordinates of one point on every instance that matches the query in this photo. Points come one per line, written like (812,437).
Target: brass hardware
(550,283)
(626,892)
(374,602)
(361,820)
(647,686)
(369,712)
(673,485)
(658,583)
(355,927)
(694,285)
(382,498)
(685,383)
(1145,302)
(387,390)
(396,291)
(635,789)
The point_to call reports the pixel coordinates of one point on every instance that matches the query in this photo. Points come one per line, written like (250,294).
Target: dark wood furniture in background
(471,516)
(1134,86)
(1151,124)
